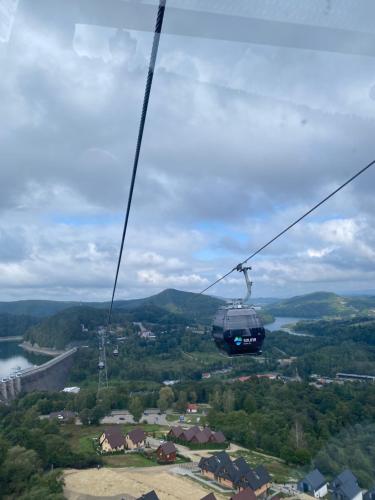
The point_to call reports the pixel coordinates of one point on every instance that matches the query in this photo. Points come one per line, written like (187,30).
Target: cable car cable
(291,225)
(150,76)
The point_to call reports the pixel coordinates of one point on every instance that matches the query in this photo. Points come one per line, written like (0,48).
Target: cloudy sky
(241,139)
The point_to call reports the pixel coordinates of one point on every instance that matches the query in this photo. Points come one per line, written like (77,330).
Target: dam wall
(51,376)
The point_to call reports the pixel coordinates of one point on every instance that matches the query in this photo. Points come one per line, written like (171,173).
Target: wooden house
(167,452)
(112,440)
(135,439)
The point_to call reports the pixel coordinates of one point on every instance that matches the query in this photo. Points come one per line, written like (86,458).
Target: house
(256,479)
(210,496)
(314,484)
(63,416)
(148,335)
(151,495)
(247,494)
(135,439)
(166,452)
(192,408)
(188,434)
(196,435)
(370,495)
(237,474)
(112,440)
(200,437)
(217,437)
(175,432)
(345,487)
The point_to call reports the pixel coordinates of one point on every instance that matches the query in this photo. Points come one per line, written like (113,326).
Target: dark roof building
(151,495)
(197,435)
(247,494)
(210,496)
(113,437)
(217,437)
(166,452)
(255,479)
(345,487)
(314,483)
(168,447)
(237,472)
(176,431)
(188,434)
(200,437)
(137,436)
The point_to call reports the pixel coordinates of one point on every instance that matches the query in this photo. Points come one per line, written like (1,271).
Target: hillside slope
(313,305)
(65,327)
(201,307)
(12,325)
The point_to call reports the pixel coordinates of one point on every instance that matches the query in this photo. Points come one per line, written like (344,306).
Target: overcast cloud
(240,140)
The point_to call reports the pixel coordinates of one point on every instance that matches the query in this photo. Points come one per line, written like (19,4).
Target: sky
(241,138)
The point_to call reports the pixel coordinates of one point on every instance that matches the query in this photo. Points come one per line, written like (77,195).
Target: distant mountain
(316,305)
(201,307)
(191,305)
(36,308)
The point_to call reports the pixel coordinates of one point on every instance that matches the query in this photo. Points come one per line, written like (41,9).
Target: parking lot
(124,417)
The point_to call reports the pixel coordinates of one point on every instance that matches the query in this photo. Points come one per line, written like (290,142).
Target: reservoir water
(281,322)
(13,357)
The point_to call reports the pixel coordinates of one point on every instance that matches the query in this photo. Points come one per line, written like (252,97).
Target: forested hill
(203,307)
(319,304)
(12,325)
(65,327)
(170,307)
(174,301)
(36,308)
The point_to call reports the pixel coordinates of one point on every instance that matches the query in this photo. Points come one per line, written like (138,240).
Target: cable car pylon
(102,363)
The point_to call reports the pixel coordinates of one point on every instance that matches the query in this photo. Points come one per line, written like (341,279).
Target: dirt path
(40,350)
(111,484)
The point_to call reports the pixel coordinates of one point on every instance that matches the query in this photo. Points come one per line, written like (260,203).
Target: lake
(13,357)
(280,322)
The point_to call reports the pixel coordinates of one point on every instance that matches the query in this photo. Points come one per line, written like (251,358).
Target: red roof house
(192,408)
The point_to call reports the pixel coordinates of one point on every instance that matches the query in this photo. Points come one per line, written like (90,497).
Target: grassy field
(172,417)
(128,460)
(280,471)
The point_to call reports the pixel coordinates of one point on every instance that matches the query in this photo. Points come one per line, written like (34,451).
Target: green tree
(136,408)
(18,468)
(228,401)
(181,402)
(166,398)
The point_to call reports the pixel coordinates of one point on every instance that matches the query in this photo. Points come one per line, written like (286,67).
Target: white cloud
(239,141)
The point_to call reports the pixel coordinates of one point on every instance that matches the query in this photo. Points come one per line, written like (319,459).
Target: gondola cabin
(237,328)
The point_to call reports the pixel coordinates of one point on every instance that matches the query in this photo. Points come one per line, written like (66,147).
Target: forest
(289,418)
(33,450)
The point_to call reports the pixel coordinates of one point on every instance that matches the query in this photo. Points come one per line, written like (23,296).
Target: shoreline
(11,339)
(47,351)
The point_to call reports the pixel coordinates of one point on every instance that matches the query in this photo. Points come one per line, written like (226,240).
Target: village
(160,461)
